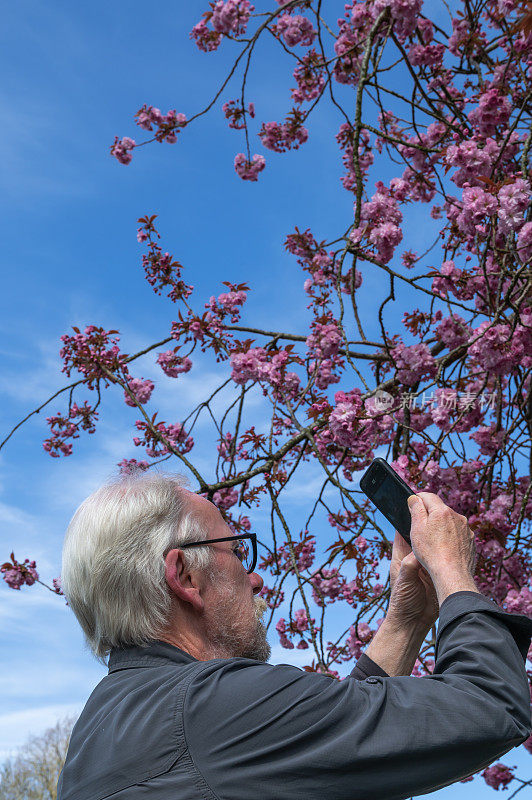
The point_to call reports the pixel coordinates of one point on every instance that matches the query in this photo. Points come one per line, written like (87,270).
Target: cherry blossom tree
(447,108)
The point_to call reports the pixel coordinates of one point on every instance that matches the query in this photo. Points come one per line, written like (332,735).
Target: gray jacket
(164,726)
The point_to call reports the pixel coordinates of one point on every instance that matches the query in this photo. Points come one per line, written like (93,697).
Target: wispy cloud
(17,726)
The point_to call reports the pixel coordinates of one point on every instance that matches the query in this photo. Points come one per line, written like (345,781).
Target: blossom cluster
(298,625)
(304,554)
(380,220)
(228,17)
(172,364)
(285,136)
(92,353)
(158,438)
(130,466)
(121,149)
(228,303)
(309,78)
(257,364)
(17,574)
(168,125)
(295,29)
(161,269)
(236,115)
(64,428)
(141,389)
(249,170)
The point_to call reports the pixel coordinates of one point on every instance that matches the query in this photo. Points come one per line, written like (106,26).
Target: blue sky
(73,77)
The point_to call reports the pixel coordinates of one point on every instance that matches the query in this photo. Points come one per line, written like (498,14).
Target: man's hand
(413,599)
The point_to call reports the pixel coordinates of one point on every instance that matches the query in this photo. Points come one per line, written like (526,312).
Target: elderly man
(190,707)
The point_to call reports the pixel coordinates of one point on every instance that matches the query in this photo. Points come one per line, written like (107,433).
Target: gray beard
(228,640)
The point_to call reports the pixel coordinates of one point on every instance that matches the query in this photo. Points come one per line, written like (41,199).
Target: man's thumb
(415,504)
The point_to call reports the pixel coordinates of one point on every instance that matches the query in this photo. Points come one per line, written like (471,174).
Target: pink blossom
(386,237)
(225,498)
(282,630)
(404,14)
(382,207)
(121,149)
(162,270)
(206,39)
(231,16)
(167,124)
(524,243)
(129,466)
(228,303)
(309,78)
(236,115)
(488,439)
(249,170)
(426,56)
(88,352)
(304,553)
(273,597)
(348,47)
(445,404)
(413,363)
(301,244)
(285,136)
(344,420)
(64,428)
(174,434)
(409,259)
(453,331)
(460,36)
(476,206)
(492,111)
(227,450)
(514,199)
(141,388)
(172,364)
(498,775)
(346,138)
(325,339)
(326,583)
(519,602)
(17,574)
(257,365)
(496,350)
(300,622)
(382,217)
(325,375)
(356,643)
(474,158)
(295,29)
(451,279)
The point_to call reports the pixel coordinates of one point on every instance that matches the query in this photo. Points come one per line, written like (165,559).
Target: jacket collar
(156,653)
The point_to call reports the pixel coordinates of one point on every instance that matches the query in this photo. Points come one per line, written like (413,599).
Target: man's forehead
(203,508)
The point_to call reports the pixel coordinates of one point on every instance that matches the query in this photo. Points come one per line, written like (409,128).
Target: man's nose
(256,582)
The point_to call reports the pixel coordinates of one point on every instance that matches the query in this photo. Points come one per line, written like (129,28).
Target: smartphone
(388,492)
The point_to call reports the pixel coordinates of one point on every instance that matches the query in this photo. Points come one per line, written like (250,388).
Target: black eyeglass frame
(251,536)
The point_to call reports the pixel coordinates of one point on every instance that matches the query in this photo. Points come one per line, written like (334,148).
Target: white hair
(113,570)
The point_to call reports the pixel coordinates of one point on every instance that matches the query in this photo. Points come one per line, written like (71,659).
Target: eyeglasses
(244,551)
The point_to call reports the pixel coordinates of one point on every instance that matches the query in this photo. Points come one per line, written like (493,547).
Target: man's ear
(182,581)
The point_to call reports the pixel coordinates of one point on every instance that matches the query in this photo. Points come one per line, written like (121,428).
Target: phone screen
(389,493)
(390,499)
